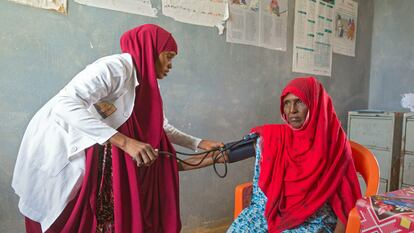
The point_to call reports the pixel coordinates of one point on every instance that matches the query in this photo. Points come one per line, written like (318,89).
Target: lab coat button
(74,149)
(126,114)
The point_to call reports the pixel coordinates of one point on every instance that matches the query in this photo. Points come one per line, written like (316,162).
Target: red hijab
(303,169)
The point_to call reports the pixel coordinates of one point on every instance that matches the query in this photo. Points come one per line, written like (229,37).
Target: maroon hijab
(303,169)
(146,199)
(145,43)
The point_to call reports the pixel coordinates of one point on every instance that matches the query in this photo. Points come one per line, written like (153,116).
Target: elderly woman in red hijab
(88,161)
(305,179)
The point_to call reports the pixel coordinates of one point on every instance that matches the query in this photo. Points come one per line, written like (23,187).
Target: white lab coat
(51,161)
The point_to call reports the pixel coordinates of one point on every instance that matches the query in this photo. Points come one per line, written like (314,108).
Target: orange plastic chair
(365,164)
(242,197)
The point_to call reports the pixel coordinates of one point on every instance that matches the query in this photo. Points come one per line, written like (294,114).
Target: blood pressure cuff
(242,149)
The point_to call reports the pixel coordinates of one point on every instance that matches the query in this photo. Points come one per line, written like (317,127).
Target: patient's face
(295,110)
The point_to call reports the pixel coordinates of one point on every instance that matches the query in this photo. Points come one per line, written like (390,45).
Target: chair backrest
(367,165)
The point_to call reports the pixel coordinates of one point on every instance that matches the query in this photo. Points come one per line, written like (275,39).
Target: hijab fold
(146,199)
(303,169)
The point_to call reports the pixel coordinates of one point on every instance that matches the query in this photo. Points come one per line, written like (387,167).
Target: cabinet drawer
(409,136)
(408,170)
(384,159)
(383,186)
(372,131)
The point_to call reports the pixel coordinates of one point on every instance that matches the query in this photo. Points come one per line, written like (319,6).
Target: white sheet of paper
(407,101)
(139,7)
(57,5)
(312,40)
(200,12)
(259,23)
(346,14)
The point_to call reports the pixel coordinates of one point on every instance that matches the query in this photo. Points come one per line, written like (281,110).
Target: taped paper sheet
(259,23)
(312,40)
(200,12)
(57,5)
(139,7)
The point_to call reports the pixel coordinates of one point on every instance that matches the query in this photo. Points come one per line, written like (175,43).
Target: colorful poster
(57,5)
(139,7)
(346,14)
(259,23)
(312,40)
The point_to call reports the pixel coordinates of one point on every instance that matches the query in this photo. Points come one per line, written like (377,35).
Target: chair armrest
(354,224)
(242,196)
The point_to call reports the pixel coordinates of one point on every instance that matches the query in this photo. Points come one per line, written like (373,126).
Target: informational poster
(346,14)
(200,12)
(139,7)
(57,5)
(259,23)
(312,40)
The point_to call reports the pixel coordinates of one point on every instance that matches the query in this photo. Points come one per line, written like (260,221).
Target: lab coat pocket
(54,158)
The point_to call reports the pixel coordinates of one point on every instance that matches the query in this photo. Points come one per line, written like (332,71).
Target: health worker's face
(163,64)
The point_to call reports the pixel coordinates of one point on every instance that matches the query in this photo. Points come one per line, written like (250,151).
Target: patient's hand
(340,228)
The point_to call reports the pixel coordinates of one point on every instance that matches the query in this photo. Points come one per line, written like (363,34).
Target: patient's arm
(233,152)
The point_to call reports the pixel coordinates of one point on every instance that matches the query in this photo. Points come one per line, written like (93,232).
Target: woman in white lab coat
(88,161)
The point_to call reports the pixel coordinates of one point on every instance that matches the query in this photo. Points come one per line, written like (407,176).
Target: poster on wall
(199,12)
(139,7)
(346,14)
(259,23)
(57,5)
(312,40)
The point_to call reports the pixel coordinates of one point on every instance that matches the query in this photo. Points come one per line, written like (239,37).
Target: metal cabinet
(381,133)
(407,151)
